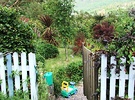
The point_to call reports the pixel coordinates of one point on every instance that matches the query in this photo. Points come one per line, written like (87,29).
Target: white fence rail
(122,77)
(16,64)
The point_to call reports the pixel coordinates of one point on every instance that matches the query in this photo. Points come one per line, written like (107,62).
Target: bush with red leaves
(79,39)
(104,31)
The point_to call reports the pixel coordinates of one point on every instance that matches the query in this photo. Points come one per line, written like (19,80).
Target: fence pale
(113,77)
(131,80)
(16,68)
(2,74)
(103,76)
(9,74)
(122,78)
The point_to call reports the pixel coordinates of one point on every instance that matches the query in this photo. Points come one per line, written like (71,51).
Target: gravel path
(78,96)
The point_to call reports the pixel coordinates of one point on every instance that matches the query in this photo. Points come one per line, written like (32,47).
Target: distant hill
(94,5)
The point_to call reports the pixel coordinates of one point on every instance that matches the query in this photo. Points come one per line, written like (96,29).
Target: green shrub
(3,97)
(34,10)
(119,19)
(18,95)
(15,36)
(73,72)
(51,51)
(46,50)
(42,86)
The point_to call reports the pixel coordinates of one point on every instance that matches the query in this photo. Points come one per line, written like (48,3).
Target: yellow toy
(68,90)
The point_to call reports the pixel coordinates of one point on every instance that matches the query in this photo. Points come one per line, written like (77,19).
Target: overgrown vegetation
(48,34)
(46,50)
(23,30)
(79,40)
(104,32)
(18,95)
(72,72)
(16,36)
(121,46)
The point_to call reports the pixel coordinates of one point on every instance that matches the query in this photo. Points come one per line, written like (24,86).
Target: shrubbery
(46,50)
(73,72)
(18,95)
(15,36)
(79,39)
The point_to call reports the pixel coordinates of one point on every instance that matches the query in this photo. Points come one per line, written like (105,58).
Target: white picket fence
(17,65)
(122,77)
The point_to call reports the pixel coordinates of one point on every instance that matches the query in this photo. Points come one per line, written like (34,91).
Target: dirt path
(78,96)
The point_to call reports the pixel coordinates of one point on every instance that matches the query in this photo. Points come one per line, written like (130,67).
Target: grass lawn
(54,63)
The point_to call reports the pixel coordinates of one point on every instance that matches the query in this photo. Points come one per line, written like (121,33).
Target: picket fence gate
(122,77)
(17,64)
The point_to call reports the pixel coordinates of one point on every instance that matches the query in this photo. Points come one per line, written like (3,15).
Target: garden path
(78,96)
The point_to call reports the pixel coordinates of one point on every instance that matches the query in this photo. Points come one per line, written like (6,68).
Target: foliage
(61,11)
(34,10)
(79,39)
(124,45)
(15,35)
(46,50)
(17,3)
(50,51)
(42,86)
(83,23)
(48,35)
(42,90)
(40,58)
(46,20)
(18,95)
(98,17)
(119,19)
(73,72)
(104,32)
(37,27)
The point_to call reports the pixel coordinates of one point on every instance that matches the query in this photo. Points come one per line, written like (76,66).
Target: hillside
(94,5)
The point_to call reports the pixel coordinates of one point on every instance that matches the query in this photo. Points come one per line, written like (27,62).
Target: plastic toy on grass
(68,90)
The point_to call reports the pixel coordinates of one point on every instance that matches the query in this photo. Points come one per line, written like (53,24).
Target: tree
(15,35)
(61,12)
(15,3)
(48,34)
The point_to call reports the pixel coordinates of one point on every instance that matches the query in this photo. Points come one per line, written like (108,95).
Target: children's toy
(68,90)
